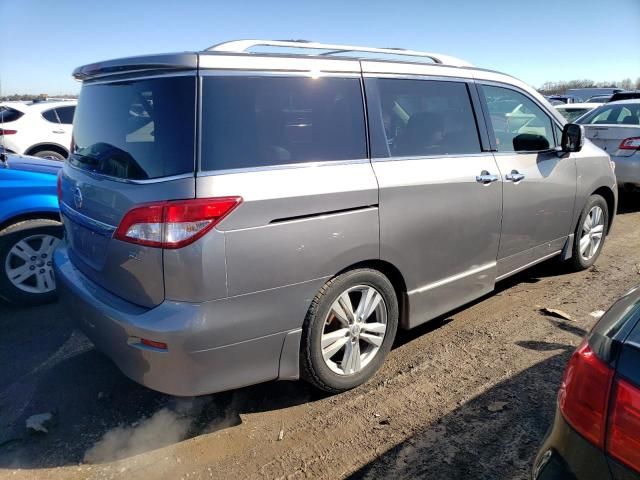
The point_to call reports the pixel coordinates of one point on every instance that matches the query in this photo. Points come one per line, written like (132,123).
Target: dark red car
(596,432)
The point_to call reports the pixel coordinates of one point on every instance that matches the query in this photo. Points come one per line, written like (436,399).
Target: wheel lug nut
(42,270)
(44,255)
(48,264)
(33,259)
(32,267)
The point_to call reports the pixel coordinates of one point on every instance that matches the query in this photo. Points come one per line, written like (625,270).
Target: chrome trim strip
(453,278)
(530,264)
(328,163)
(125,180)
(428,157)
(96,226)
(229,72)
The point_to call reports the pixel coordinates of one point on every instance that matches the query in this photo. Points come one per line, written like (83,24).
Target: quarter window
(264,121)
(51,116)
(425,117)
(65,114)
(628,114)
(518,123)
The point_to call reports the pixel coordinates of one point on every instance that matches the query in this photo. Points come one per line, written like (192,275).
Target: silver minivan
(234,216)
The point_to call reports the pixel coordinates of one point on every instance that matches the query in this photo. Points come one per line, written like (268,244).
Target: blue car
(30,228)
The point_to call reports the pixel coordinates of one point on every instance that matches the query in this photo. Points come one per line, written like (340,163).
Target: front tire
(590,233)
(26,261)
(349,330)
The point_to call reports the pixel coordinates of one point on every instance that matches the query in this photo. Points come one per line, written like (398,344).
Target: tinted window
(65,114)
(9,115)
(628,114)
(136,129)
(518,122)
(261,121)
(425,117)
(50,116)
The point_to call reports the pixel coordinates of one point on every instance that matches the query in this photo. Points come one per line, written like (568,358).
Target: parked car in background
(596,431)
(625,96)
(225,228)
(591,91)
(599,99)
(30,228)
(42,129)
(565,98)
(571,111)
(615,127)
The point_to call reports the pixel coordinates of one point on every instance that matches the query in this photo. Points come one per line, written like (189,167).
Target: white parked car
(572,111)
(41,129)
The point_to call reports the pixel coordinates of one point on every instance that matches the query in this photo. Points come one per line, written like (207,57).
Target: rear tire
(26,263)
(50,154)
(342,348)
(590,233)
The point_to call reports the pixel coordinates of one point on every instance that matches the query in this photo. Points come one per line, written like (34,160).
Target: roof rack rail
(242,46)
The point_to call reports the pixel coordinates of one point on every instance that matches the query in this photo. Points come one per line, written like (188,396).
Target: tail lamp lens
(173,224)
(632,143)
(584,394)
(4,131)
(623,436)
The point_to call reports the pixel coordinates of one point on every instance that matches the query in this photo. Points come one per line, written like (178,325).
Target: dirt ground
(425,414)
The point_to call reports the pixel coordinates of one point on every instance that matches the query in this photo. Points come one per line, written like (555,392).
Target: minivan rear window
(270,120)
(136,130)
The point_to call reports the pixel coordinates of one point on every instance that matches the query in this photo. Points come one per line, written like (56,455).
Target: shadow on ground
(474,442)
(48,367)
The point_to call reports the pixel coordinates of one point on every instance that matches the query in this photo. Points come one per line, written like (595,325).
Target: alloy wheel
(592,232)
(354,330)
(29,264)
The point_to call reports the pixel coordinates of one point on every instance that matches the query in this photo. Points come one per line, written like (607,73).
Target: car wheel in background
(590,233)
(26,261)
(348,330)
(50,154)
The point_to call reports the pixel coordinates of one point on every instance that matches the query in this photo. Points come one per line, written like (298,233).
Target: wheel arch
(397,280)
(56,147)
(610,198)
(45,215)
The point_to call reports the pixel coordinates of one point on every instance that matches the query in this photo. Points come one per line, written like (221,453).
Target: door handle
(486,178)
(57,131)
(514,176)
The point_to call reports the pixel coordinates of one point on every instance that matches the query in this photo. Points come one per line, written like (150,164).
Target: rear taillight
(632,143)
(4,131)
(173,224)
(584,394)
(623,433)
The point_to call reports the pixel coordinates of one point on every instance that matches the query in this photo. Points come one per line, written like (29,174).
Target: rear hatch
(133,143)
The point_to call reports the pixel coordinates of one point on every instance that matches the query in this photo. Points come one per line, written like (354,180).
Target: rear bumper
(565,454)
(628,169)
(212,346)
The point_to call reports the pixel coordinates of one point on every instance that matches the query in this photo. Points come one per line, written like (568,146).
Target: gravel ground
(428,412)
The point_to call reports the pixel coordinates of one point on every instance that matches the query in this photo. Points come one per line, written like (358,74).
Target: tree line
(17,97)
(552,88)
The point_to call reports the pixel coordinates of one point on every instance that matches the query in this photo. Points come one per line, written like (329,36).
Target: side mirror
(572,137)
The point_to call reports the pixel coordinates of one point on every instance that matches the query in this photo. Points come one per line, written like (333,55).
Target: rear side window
(137,130)
(65,114)
(51,116)
(425,117)
(8,114)
(519,124)
(264,121)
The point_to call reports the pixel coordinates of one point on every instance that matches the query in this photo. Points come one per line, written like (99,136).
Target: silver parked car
(615,127)
(235,217)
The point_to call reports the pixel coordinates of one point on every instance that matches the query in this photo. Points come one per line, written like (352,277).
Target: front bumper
(628,169)
(202,356)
